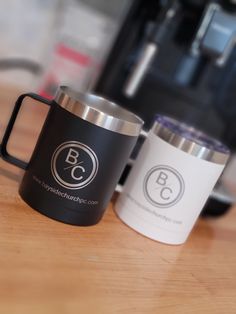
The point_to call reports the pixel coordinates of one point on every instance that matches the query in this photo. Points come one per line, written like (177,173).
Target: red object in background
(72,54)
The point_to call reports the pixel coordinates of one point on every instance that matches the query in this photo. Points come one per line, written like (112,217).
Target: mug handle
(5,155)
(131,161)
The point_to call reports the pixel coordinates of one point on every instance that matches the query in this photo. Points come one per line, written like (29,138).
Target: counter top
(50,267)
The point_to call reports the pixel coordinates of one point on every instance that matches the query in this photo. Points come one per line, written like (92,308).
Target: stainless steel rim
(219,154)
(99,111)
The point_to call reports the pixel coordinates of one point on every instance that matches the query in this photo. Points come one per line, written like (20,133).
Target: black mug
(79,157)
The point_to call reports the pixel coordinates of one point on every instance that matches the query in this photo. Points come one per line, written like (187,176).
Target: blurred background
(48,42)
(151,56)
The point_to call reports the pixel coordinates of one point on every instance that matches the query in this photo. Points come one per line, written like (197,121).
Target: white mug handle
(119,187)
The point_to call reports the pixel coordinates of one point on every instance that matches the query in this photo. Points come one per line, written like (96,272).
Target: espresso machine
(177,58)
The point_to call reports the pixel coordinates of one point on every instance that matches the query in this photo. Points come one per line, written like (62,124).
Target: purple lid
(174,132)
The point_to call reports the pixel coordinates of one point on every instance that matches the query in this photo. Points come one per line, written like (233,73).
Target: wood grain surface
(48,267)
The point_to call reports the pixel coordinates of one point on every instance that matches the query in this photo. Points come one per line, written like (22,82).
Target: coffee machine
(178,58)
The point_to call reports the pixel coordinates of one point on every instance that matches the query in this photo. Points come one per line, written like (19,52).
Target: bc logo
(74,165)
(163,186)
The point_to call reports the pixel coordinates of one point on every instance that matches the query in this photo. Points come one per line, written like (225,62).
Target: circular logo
(163,186)
(74,165)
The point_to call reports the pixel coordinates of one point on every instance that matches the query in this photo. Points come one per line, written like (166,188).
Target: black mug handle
(5,155)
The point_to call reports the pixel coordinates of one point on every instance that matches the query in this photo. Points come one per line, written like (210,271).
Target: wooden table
(48,267)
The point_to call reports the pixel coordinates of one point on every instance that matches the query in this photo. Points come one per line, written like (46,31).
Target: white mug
(174,174)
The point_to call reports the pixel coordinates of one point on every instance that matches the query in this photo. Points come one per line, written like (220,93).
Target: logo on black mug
(74,165)
(163,186)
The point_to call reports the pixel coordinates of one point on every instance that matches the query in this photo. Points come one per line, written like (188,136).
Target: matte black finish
(71,151)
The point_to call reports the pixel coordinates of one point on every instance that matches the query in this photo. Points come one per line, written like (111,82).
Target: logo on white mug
(74,165)
(163,186)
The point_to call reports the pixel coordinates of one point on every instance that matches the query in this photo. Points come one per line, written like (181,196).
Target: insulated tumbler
(170,181)
(82,149)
